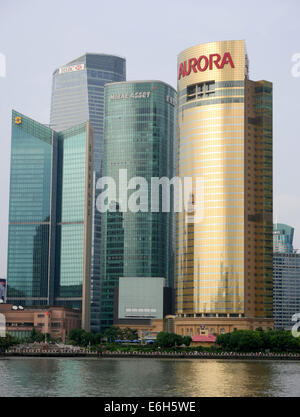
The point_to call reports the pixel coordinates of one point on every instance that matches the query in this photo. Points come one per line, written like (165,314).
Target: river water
(104,377)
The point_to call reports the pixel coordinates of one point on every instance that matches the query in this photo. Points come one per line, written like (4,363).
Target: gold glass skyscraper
(224,139)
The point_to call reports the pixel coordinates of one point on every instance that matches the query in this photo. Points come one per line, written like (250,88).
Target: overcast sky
(37,36)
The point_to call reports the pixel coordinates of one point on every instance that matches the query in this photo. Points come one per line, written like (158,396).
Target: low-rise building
(55,321)
(203,340)
(193,326)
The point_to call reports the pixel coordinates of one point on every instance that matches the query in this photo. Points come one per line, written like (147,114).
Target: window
(191,92)
(197,91)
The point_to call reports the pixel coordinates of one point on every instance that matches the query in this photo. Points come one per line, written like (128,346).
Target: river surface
(55,377)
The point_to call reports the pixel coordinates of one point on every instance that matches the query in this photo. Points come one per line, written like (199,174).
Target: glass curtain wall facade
(286,289)
(30,220)
(78,96)
(283,236)
(50,220)
(224,261)
(138,137)
(74,218)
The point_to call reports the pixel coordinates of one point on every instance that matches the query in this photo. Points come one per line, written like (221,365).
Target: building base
(191,326)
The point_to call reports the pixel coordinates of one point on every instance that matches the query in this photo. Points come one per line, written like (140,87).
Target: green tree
(186,340)
(77,336)
(6,342)
(36,336)
(113,333)
(168,340)
(129,334)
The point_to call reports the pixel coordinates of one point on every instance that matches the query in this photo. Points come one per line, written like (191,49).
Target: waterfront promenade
(84,353)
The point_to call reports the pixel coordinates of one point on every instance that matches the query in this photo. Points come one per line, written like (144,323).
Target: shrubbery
(6,342)
(237,341)
(258,340)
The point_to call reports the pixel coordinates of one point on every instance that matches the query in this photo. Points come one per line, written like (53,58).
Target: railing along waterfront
(155,354)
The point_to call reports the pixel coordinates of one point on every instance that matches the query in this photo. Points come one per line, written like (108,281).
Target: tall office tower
(286,288)
(224,251)
(139,126)
(78,96)
(283,236)
(50,215)
(286,270)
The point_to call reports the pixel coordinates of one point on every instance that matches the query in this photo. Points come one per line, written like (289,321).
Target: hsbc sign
(204,63)
(71,68)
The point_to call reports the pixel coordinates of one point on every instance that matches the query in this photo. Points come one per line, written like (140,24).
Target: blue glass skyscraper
(50,215)
(139,138)
(283,236)
(78,96)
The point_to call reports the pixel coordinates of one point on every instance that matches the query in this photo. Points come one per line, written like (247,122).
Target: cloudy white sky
(37,36)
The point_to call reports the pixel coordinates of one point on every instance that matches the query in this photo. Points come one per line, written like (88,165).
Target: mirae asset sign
(137,94)
(204,63)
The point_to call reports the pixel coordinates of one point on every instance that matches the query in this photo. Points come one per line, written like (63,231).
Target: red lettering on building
(203,63)
(215,61)
(181,71)
(227,60)
(200,66)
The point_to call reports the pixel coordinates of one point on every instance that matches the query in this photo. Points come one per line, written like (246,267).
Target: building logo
(71,68)
(125,96)
(203,63)
(171,100)
(18,120)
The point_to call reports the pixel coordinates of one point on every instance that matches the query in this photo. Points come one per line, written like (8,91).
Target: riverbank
(172,355)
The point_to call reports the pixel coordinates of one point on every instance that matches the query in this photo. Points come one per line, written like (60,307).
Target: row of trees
(238,341)
(115,333)
(258,340)
(35,336)
(82,338)
(164,340)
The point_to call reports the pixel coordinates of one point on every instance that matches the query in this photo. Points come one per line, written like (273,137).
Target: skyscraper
(78,96)
(286,262)
(283,236)
(50,215)
(224,258)
(286,288)
(138,138)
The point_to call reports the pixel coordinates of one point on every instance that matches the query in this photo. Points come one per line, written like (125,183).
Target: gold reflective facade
(224,261)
